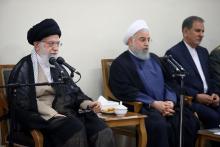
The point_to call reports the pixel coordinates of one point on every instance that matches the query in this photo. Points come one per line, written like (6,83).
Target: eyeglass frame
(53,43)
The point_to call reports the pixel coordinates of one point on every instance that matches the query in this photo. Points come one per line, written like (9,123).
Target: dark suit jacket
(192,82)
(214,63)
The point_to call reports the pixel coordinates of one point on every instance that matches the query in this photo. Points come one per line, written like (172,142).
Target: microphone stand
(181,77)
(61,61)
(180,73)
(14,87)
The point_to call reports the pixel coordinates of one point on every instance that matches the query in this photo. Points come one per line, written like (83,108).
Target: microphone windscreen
(52,60)
(60,60)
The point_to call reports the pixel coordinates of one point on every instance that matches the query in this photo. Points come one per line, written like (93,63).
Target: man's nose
(201,34)
(55,49)
(147,42)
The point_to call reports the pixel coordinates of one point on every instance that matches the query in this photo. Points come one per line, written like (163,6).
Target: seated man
(136,75)
(214,63)
(54,109)
(197,82)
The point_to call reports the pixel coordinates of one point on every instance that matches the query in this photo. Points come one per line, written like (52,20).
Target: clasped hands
(212,100)
(164,107)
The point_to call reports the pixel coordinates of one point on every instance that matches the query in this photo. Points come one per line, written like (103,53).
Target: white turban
(134,28)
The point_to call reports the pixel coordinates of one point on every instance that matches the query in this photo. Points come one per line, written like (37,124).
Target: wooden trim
(38,138)
(117,123)
(3,104)
(105,79)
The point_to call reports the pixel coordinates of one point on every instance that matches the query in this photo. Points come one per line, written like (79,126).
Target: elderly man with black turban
(54,109)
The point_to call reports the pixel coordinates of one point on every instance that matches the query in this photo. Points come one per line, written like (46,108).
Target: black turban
(43,29)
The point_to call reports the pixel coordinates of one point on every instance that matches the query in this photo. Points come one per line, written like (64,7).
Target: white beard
(45,56)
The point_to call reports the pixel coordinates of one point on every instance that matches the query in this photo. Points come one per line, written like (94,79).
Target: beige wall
(94,29)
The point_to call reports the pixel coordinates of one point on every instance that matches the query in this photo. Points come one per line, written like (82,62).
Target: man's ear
(130,41)
(37,46)
(185,31)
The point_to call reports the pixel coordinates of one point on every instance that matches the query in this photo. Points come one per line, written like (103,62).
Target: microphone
(172,63)
(177,64)
(61,61)
(52,61)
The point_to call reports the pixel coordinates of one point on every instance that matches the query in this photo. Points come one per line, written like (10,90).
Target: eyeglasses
(53,43)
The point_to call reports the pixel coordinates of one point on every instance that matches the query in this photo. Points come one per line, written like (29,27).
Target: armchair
(34,138)
(106,63)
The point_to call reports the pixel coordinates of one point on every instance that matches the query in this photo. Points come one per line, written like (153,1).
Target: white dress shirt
(196,60)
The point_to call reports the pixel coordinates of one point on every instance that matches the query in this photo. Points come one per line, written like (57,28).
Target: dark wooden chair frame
(4,121)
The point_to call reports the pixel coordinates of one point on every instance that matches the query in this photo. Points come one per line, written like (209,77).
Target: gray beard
(141,55)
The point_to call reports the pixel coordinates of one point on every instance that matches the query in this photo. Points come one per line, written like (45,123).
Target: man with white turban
(137,75)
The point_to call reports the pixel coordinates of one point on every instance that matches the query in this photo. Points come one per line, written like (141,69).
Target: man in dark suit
(214,63)
(197,82)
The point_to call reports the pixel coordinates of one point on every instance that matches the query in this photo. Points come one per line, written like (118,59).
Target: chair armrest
(188,99)
(137,105)
(38,138)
